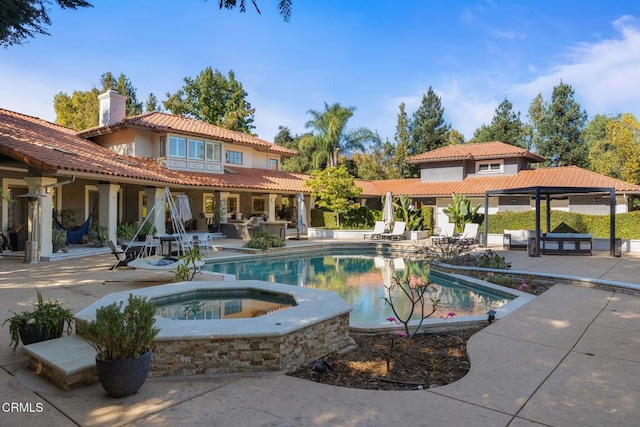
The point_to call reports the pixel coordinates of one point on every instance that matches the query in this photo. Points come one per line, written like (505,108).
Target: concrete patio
(569,358)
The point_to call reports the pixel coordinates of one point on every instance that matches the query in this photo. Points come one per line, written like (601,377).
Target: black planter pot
(31,333)
(213,228)
(121,378)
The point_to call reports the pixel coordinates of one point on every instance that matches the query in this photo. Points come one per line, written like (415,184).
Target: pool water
(363,282)
(214,305)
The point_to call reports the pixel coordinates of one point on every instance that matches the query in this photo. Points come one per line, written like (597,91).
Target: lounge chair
(444,234)
(469,236)
(470,232)
(122,256)
(378,229)
(448,230)
(397,233)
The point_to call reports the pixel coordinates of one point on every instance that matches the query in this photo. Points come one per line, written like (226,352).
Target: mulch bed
(427,360)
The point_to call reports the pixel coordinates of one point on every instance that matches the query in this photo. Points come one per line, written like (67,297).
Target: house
(117,172)
(475,168)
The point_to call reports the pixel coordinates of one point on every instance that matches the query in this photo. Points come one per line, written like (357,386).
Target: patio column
(44,218)
(308,204)
(221,198)
(270,206)
(108,202)
(156,198)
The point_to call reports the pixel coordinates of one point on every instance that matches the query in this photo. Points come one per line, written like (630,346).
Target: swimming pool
(360,280)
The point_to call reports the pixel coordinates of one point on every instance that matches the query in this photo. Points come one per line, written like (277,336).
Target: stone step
(69,362)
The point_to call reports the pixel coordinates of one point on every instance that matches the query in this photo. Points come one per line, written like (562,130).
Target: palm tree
(331,135)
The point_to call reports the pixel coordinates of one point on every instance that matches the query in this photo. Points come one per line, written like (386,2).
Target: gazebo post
(485,242)
(536,250)
(612,222)
(548,212)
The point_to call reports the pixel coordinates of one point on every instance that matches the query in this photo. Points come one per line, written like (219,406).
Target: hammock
(76,236)
(157,262)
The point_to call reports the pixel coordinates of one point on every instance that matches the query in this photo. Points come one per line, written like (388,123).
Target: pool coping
(313,306)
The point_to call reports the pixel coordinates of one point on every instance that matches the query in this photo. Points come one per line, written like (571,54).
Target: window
(177,147)
(257,205)
(273,164)
(489,167)
(208,201)
(234,157)
(213,151)
(163,146)
(196,149)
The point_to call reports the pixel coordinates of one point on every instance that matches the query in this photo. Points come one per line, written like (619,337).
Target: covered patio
(549,193)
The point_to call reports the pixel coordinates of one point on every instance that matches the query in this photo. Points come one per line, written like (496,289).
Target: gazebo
(548,194)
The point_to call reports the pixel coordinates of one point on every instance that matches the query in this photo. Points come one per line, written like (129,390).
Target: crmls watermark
(22,407)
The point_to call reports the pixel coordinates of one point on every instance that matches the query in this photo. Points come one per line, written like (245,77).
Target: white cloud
(603,74)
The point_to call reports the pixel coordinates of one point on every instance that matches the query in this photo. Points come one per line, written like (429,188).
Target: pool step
(68,362)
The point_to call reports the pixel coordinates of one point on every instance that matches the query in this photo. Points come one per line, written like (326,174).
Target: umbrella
(183,207)
(387,209)
(301,270)
(301,222)
(388,273)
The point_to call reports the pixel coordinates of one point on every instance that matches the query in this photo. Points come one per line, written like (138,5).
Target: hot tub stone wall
(250,354)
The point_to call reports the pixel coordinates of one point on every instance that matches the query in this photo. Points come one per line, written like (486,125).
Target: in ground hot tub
(316,324)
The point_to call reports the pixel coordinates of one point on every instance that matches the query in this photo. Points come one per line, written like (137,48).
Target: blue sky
(371,55)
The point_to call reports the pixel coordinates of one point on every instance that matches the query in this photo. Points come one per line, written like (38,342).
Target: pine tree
(428,128)
(561,129)
(532,129)
(403,142)
(505,126)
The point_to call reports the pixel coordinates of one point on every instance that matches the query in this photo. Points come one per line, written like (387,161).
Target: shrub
(598,225)
(264,240)
(358,218)
(119,333)
(486,259)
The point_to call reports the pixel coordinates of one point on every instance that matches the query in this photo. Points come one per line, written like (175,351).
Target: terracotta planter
(121,378)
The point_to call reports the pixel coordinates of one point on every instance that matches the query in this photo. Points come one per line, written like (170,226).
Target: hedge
(627,224)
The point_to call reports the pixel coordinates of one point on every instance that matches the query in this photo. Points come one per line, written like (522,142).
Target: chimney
(113,107)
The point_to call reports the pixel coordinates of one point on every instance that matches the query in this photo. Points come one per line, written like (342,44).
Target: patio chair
(121,255)
(397,233)
(206,245)
(378,229)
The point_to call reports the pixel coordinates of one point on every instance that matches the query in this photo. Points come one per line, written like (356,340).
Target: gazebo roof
(550,191)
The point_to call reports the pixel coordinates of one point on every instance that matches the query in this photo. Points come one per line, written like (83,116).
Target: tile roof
(54,149)
(163,123)
(566,176)
(57,149)
(474,151)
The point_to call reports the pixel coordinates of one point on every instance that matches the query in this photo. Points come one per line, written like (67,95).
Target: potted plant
(100,236)
(126,231)
(147,229)
(17,237)
(46,322)
(213,223)
(122,339)
(59,240)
